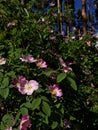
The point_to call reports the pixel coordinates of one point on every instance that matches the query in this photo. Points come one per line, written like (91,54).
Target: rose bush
(46,81)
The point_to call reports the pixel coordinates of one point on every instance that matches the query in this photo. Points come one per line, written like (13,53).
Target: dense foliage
(46,81)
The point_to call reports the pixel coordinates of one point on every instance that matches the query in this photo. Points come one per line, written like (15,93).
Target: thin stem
(59,12)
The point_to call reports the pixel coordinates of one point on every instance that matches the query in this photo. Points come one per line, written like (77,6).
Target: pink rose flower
(55,14)
(55,91)
(62,62)
(29,59)
(9,128)
(30,87)
(24,86)
(2,61)
(41,63)
(88,43)
(53,38)
(52,4)
(25,123)
(67,69)
(19,83)
(10,24)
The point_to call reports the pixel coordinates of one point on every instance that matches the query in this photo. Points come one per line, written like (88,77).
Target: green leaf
(28,105)
(24,111)
(54,124)
(95,59)
(4,92)
(72,118)
(35,103)
(46,120)
(72,83)
(18,53)
(60,77)
(46,108)
(27,13)
(45,98)
(1,76)
(94,109)
(17,117)
(62,123)
(58,105)
(11,74)
(7,119)
(2,127)
(5,82)
(48,73)
(62,110)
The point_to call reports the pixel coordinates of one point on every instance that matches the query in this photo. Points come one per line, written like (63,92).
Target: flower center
(54,92)
(28,87)
(0,60)
(39,64)
(18,85)
(25,124)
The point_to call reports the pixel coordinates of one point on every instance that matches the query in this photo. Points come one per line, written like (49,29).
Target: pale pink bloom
(52,4)
(52,38)
(19,83)
(73,37)
(24,86)
(51,31)
(74,29)
(52,52)
(52,76)
(11,24)
(95,35)
(25,122)
(55,14)
(67,124)
(30,87)
(29,59)
(80,37)
(62,33)
(96,45)
(55,91)
(92,85)
(42,19)
(62,62)
(41,63)
(9,128)
(88,43)
(67,69)
(2,61)
(24,58)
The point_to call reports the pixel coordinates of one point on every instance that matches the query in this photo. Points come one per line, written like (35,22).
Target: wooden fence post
(84,17)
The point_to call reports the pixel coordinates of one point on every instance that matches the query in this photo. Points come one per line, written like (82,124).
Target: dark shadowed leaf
(5,82)
(4,92)
(54,124)
(46,108)
(60,77)
(35,103)
(24,111)
(72,83)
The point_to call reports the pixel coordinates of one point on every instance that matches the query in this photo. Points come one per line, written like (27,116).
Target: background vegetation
(71,64)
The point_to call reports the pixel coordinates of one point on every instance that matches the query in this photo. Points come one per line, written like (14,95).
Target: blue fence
(77,6)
